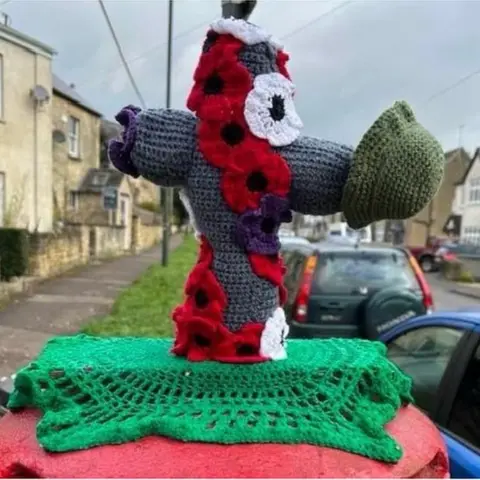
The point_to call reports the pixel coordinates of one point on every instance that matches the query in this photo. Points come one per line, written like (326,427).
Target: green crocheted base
(92,391)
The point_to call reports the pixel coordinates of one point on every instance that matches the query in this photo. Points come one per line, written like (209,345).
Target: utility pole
(166,193)
(241,9)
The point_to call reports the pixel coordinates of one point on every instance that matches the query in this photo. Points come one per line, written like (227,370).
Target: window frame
(452,388)
(2,88)
(474,191)
(73,136)
(448,385)
(73,195)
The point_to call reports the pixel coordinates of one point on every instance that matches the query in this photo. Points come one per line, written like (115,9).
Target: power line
(452,86)
(122,56)
(316,19)
(152,49)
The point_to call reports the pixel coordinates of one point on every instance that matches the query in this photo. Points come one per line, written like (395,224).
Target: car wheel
(427,264)
(388,308)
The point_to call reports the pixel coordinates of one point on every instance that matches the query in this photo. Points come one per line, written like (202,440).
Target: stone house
(430,222)
(145,193)
(90,206)
(77,126)
(467,201)
(25,132)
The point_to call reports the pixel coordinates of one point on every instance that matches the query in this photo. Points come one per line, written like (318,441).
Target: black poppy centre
(213,84)
(268,225)
(201,340)
(201,298)
(232,134)
(246,350)
(277,110)
(257,182)
(212,37)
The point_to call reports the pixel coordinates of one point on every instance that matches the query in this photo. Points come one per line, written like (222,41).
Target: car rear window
(354,271)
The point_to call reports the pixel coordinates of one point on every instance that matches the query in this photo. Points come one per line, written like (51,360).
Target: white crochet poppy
(272,342)
(248,33)
(270,111)
(188,207)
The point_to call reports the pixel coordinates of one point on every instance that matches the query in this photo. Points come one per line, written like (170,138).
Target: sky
(349,59)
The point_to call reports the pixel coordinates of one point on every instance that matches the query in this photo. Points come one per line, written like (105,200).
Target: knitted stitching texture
(243,165)
(338,393)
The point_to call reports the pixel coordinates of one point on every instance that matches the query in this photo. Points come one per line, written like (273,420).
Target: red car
(425,255)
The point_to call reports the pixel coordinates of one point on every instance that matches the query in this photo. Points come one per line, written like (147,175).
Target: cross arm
(156,144)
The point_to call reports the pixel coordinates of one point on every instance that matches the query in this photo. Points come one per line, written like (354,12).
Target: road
(444,299)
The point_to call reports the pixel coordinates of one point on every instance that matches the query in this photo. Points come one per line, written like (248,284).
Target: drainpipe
(35,149)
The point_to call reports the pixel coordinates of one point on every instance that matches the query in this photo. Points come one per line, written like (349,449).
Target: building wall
(26,138)
(68,171)
(416,228)
(470,212)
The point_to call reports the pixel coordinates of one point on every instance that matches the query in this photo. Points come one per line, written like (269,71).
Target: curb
(475,296)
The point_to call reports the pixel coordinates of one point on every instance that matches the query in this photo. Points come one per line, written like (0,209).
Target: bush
(150,206)
(13,253)
(452,269)
(466,277)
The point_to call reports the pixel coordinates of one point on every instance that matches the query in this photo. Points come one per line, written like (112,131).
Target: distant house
(467,201)
(431,220)
(145,193)
(79,149)
(90,209)
(25,132)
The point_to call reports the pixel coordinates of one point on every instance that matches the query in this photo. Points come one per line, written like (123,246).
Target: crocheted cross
(243,166)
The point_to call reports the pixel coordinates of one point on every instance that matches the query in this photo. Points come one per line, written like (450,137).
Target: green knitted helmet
(397,169)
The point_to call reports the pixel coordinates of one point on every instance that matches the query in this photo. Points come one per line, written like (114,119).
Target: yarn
(94,391)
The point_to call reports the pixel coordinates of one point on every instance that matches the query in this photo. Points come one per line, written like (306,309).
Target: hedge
(13,253)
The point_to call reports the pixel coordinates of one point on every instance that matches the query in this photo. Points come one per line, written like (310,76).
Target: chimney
(5,19)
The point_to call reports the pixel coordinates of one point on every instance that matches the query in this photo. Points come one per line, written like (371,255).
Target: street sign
(453,225)
(110,198)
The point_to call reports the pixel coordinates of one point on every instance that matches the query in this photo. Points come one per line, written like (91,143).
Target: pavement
(64,304)
(451,296)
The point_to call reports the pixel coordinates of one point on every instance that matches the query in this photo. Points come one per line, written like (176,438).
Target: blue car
(441,352)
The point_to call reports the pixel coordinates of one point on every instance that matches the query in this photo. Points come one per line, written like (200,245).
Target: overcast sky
(348,64)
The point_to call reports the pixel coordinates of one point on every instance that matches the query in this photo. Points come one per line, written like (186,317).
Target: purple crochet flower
(119,151)
(257,229)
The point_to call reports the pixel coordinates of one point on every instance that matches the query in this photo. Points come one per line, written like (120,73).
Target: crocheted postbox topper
(243,167)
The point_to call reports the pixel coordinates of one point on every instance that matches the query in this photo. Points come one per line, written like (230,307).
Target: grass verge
(144,308)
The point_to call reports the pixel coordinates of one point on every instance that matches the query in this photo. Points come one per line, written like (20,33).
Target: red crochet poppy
(219,79)
(253,173)
(195,338)
(205,296)
(241,346)
(282,59)
(218,139)
(269,267)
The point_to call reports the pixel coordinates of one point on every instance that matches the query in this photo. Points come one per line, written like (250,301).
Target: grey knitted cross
(162,146)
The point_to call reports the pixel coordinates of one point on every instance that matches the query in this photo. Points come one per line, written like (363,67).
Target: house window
(474,190)
(100,179)
(73,200)
(471,235)
(73,137)
(1,86)
(123,212)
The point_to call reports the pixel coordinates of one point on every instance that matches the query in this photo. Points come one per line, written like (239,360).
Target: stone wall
(472,265)
(109,240)
(76,245)
(145,235)
(55,253)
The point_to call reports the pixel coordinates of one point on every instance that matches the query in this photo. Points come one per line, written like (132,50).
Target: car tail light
(301,301)
(448,256)
(422,281)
